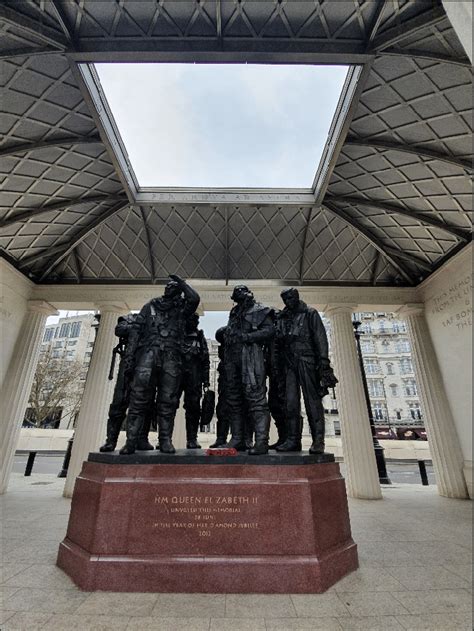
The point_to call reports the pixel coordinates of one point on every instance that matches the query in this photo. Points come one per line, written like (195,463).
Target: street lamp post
(378,449)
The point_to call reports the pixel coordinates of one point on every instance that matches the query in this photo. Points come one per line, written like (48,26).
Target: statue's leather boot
(290,444)
(165,434)
(262,429)
(166,446)
(237,440)
(293,440)
(192,443)
(192,426)
(112,433)
(317,434)
(134,425)
(236,443)
(317,447)
(143,443)
(108,446)
(259,449)
(219,442)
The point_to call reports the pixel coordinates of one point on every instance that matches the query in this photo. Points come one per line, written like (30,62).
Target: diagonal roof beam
(78,238)
(464,235)
(77,265)
(56,142)
(62,19)
(63,205)
(380,10)
(411,258)
(305,241)
(148,241)
(375,268)
(417,151)
(422,54)
(355,82)
(401,31)
(378,245)
(33,28)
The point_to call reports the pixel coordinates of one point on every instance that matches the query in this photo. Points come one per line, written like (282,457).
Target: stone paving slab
(420,581)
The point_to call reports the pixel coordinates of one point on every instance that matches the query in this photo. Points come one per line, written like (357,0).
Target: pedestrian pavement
(415,573)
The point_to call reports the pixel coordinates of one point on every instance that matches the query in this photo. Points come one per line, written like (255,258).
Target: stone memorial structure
(188,521)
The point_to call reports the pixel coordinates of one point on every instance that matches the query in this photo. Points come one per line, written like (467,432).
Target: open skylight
(190,125)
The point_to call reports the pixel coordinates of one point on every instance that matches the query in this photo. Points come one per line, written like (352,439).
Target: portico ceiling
(392,195)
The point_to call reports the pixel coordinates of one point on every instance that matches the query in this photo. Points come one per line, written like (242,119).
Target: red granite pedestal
(196,525)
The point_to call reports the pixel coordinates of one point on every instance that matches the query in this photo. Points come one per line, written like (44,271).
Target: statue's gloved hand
(328,378)
(177,279)
(205,386)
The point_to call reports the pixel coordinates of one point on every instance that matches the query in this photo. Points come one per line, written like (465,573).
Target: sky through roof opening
(220,125)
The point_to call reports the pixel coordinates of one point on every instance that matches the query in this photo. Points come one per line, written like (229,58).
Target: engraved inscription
(454,304)
(206,514)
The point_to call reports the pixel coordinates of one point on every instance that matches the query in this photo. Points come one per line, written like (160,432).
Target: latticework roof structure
(391,199)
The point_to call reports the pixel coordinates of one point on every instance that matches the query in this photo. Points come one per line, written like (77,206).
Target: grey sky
(223,125)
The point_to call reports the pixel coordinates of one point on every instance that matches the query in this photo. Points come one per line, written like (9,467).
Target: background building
(66,348)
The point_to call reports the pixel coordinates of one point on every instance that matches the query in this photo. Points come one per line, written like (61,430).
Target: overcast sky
(223,125)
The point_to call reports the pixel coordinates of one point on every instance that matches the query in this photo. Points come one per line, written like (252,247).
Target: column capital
(411,309)
(111,306)
(335,308)
(41,306)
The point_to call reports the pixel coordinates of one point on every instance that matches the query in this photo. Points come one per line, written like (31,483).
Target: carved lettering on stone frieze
(454,304)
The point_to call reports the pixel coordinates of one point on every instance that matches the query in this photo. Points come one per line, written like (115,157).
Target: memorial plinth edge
(171,523)
(197,456)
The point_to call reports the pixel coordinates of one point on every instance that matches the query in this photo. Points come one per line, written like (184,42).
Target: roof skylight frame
(137,194)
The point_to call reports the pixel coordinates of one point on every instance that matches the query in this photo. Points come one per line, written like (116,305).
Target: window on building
(406,365)
(385,346)
(75,329)
(394,390)
(375,387)
(378,410)
(409,385)
(403,346)
(58,344)
(366,327)
(382,326)
(398,414)
(371,366)
(56,331)
(72,343)
(65,328)
(48,335)
(390,369)
(367,346)
(55,354)
(415,411)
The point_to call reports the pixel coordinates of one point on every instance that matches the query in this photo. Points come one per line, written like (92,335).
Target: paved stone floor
(415,573)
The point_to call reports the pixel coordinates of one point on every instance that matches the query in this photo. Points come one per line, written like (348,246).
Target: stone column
(17,384)
(441,431)
(359,457)
(92,419)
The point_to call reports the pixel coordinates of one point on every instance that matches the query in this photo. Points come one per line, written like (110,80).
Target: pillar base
(209,524)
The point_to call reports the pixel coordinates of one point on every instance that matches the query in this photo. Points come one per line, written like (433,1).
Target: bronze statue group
(163,355)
